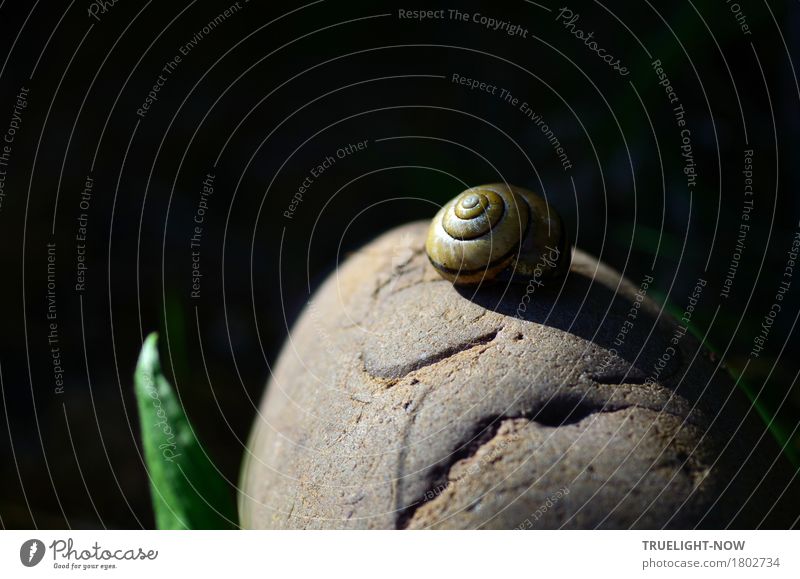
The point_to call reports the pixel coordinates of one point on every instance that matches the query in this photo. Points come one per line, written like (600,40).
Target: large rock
(400,401)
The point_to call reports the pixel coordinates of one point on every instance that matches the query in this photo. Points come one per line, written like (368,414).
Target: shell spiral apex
(497,232)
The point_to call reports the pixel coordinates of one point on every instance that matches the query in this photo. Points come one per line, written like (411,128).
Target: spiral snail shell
(497,232)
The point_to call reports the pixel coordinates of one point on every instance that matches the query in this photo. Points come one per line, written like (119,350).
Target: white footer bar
(379,555)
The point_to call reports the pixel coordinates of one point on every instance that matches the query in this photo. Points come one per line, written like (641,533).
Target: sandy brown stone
(400,401)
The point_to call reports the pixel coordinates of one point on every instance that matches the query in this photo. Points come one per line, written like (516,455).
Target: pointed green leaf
(187,491)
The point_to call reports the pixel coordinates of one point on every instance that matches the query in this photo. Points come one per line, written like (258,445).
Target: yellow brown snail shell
(497,232)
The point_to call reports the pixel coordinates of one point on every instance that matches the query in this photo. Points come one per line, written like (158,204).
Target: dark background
(271,99)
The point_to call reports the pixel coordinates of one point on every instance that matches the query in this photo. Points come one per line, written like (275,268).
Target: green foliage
(187,490)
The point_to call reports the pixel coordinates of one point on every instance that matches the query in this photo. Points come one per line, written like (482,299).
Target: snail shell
(497,232)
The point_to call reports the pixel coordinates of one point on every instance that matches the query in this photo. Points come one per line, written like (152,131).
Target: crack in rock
(399,371)
(555,413)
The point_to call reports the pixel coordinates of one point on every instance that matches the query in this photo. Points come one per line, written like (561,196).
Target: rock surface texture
(401,402)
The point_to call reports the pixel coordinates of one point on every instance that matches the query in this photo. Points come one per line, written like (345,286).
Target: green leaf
(187,490)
